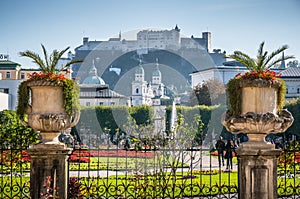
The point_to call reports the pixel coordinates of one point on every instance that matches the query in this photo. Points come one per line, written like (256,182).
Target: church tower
(139,73)
(157,86)
(156,75)
(141,91)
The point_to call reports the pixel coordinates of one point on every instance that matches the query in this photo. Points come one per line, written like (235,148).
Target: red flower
(266,75)
(46,76)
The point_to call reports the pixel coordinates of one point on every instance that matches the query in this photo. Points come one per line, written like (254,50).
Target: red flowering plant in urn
(256,97)
(48,98)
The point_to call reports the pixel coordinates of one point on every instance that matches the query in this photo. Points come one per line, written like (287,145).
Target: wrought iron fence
(289,169)
(139,170)
(14,174)
(107,171)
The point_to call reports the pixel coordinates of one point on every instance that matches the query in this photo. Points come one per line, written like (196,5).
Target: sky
(234,24)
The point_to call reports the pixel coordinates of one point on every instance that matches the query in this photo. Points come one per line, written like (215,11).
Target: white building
(10,88)
(149,39)
(94,92)
(222,73)
(10,78)
(290,75)
(141,91)
(162,39)
(148,93)
(4,101)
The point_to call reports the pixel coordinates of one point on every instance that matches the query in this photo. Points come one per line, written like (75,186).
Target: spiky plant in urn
(48,100)
(256,98)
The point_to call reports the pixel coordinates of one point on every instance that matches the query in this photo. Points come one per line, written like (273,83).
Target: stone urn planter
(48,100)
(256,110)
(46,112)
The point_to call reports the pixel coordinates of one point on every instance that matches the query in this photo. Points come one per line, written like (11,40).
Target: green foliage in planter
(281,94)
(234,92)
(70,94)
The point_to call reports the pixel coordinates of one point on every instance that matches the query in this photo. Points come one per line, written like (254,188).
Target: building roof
(9,65)
(107,93)
(98,91)
(290,72)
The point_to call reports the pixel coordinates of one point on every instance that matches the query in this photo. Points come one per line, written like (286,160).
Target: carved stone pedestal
(257,173)
(257,159)
(49,160)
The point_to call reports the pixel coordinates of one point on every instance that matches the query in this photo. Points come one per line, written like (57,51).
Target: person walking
(220,146)
(229,149)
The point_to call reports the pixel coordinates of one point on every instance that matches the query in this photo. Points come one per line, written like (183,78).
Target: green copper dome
(93,77)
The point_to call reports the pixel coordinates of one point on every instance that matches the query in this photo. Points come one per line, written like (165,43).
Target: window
(7,75)
(100,103)
(22,75)
(137,90)
(112,103)
(4,90)
(298,90)
(88,103)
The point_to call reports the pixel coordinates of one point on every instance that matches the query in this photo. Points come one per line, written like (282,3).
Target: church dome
(156,72)
(93,77)
(93,80)
(140,70)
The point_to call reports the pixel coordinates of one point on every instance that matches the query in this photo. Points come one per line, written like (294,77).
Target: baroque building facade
(94,92)
(148,93)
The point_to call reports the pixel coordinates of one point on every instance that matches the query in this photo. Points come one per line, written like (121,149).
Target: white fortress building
(150,39)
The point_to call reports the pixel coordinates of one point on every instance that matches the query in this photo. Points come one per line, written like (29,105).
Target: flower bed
(83,156)
(121,153)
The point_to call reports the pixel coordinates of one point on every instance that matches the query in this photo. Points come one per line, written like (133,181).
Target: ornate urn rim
(259,83)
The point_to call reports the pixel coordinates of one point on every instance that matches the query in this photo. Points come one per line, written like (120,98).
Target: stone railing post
(49,161)
(257,167)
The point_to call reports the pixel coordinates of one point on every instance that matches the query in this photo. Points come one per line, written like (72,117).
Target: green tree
(294,106)
(14,139)
(210,92)
(13,134)
(294,63)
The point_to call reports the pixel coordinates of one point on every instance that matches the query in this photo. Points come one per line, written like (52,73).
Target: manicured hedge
(99,118)
(294,107)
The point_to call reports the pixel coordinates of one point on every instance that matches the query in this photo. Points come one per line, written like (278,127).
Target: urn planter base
(50,138)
